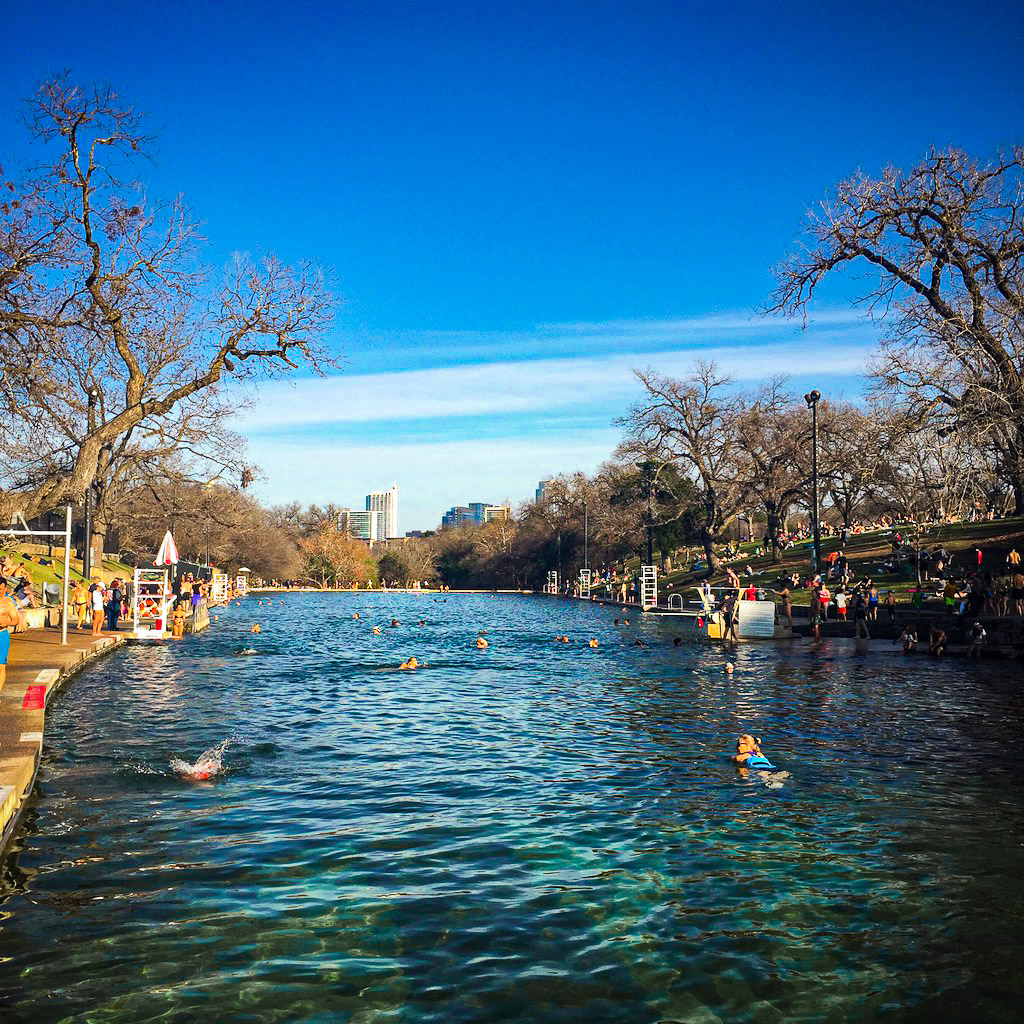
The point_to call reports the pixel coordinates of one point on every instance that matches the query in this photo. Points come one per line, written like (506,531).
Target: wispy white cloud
(543,402)
(527,386)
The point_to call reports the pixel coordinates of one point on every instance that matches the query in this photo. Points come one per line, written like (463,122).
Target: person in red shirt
(750,594)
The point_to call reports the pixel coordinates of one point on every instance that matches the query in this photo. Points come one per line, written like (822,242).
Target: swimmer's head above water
(746,746)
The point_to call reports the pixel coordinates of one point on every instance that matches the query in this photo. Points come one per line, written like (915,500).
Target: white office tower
(360,525)
(386,502)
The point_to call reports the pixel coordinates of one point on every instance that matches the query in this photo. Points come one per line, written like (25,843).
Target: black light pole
(812,398)
(586,557)
(93,395)
(649,473)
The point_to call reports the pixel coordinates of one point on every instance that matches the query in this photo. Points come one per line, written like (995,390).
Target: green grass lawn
(866,552)
(54,572)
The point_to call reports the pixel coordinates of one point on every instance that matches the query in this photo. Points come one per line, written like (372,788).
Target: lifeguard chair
(151,601)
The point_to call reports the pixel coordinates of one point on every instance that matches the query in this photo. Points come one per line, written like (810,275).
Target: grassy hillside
(866,552)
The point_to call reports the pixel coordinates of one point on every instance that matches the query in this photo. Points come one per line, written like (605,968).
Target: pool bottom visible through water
(534,832)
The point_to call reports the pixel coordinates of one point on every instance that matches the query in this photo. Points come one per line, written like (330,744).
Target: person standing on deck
(96,606)
(11,617)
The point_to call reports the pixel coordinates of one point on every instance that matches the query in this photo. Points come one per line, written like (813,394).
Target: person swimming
(412,664)
(728,668)
(748,753)
(376,630)
(481,643)
(593,642)
(256,628)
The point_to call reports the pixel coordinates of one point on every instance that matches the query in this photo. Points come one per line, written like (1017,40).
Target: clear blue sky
(522,201)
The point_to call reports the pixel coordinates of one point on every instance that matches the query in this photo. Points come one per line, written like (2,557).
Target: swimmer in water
(395,622)
(256,628)
(593,642)
(481,643)
(355,615)
(410,663)
(376,630)
(207,765)
(748,755)
(562,639)
(422,622)
(748,747)
(728,668)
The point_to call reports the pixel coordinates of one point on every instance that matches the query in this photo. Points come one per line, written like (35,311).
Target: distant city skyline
(479,512)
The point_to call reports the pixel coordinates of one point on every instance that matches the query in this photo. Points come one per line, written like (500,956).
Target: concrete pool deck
(38,665)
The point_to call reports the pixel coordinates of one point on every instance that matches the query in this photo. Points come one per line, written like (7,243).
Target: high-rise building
(485,513)
(542,488)
(475,512)
(386,502)
(360,525)
(457,515)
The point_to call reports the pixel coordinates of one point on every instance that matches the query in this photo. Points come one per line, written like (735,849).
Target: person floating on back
(748,753)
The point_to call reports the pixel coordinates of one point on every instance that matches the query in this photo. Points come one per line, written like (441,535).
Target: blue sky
(523,202)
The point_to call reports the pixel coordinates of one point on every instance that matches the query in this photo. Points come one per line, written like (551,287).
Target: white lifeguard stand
(648,587)
(151,603)
(219,588)
(586,577)
(242,581)
(552,585)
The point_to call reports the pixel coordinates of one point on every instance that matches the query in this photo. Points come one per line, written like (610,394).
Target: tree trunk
(772,529)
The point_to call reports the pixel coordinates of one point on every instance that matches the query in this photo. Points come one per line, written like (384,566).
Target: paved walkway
(38,664)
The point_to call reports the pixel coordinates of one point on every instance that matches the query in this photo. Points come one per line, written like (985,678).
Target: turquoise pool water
(536,832)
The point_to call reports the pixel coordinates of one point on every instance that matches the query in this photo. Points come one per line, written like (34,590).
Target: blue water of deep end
(533,832)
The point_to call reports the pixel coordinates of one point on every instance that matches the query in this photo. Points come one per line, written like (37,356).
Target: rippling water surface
(535,832)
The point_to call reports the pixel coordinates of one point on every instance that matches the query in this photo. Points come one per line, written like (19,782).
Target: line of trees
(124,356)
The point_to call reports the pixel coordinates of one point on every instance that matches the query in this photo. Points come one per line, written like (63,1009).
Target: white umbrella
(168,553)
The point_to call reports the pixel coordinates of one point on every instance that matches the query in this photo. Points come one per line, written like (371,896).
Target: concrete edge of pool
(38,665)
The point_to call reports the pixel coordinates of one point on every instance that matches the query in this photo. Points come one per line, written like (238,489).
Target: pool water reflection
(533,832)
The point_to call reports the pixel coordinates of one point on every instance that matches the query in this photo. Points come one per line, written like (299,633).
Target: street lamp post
(93,395)
(812,398)
(649,475)
(586,554)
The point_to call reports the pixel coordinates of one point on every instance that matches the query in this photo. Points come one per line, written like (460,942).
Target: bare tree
(771,454)
(944,247)
(690,425)
(110,324)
